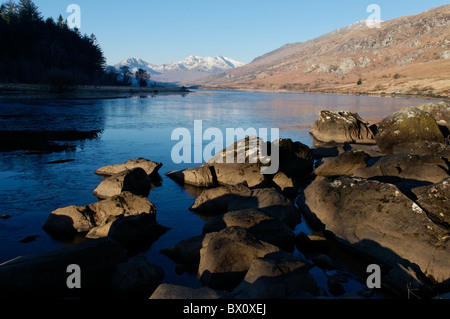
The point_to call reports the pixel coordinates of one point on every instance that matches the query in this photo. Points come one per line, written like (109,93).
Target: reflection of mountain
(190,69)
(405,55)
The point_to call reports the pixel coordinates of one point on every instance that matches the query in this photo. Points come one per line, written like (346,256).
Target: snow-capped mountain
(190,69)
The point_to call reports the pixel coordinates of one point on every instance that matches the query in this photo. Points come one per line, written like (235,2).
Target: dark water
(32,186)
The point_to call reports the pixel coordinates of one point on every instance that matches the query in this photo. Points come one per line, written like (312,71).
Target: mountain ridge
(192,68)
(406,55)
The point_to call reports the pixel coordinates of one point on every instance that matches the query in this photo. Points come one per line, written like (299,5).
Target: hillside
(407,55)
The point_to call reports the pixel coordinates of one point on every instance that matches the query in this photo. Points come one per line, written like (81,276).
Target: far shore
(326,92)
(12,91)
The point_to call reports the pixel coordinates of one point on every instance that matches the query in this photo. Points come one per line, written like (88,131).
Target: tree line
(37,50)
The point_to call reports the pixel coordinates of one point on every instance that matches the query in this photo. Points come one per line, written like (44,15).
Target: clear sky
(165,31)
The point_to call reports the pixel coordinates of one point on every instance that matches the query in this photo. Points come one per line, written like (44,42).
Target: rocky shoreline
(380,193)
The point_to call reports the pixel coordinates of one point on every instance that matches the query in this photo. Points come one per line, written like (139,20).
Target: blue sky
(166,31)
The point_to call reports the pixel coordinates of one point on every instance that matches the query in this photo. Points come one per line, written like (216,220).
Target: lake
(33,183)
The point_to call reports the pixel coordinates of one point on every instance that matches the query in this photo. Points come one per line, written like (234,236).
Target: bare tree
(126,73)
(143,77)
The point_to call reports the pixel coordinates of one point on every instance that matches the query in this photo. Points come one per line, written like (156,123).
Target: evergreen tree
(38,51)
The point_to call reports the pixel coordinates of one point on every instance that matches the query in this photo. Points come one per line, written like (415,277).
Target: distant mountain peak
(191,68)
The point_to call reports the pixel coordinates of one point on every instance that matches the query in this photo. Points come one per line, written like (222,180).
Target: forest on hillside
(35,50)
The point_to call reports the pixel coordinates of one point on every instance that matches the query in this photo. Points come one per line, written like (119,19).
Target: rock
(375,218)
(243,163)
(425,173)
(286,184)
(411,130)
(136,232)
(407,282)
(296,159)
(264,227)
(96,219)
(171,291)
(195,176)
(237,173)
(435,200)
(440,112)
(341,127)
(239,163)
(406,170)
(45,275)
(345,164)
(186,252)
(135,279)
(334,286)
(278,275)
(69,220)
(227,255)
(124,204)
(310,243)
(148,166)
(135,181)
(223,199)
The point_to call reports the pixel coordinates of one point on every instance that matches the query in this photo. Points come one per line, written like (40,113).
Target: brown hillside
(407,55)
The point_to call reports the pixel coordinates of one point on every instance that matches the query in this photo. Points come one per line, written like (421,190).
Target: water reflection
(34,184)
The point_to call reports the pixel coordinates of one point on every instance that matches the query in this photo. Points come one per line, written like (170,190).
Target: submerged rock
(45,275)
(135,279)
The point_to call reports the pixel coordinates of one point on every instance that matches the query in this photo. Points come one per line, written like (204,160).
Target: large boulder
(128,218)
(83,219)
(136,232)
(410,130)
(196,176)
(148,166)
(341,127)
(277,275)
(227,255)
(244,162)
(435,200)
(68,221)
(264,227)
(135,181)
(224,199)
(440,112)
(376,219)
(345,164)
(45,275)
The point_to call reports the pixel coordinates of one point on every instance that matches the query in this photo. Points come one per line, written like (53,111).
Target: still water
(31,187)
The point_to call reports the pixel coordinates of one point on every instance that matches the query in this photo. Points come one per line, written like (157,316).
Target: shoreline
(39,91)
(327,92)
